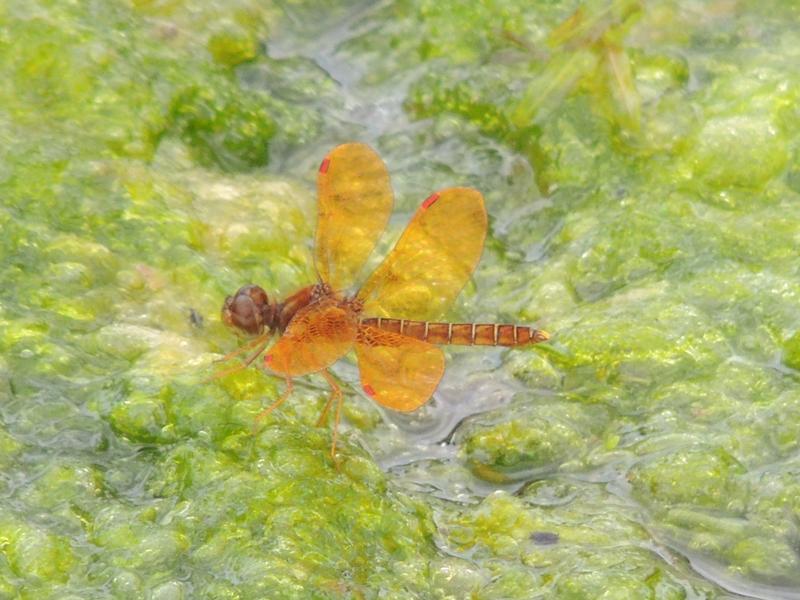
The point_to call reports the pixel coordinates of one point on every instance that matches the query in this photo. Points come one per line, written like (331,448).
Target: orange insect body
(388,321)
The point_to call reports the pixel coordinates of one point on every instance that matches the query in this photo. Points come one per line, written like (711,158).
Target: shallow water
(639,162)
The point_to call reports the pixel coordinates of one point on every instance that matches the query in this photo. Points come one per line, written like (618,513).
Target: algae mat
(640,165)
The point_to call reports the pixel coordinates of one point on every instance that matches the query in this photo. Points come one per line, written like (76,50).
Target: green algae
(529,439)
(580,540)
(640,164)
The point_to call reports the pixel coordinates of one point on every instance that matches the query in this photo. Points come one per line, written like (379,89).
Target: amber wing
(432,260)
(317,336)
(397,371)
(355,202)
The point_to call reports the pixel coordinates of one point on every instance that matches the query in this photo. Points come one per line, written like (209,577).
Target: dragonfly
(390,321)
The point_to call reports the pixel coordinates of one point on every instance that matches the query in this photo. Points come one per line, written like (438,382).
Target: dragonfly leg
(336,395)
(336,392)
(246,346)
(263,414)
(245,364)
(323,416)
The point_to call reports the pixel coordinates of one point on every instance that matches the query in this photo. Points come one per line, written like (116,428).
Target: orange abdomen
(462,334)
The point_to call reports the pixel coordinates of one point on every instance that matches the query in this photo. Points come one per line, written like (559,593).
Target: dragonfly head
(249,310)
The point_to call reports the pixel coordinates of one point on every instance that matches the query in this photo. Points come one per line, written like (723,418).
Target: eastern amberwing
(387,320)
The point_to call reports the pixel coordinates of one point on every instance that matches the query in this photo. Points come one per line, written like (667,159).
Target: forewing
(432,260)
(316,337)
(355,201)
(397,371)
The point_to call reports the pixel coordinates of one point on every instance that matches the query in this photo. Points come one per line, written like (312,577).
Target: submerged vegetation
(640,164)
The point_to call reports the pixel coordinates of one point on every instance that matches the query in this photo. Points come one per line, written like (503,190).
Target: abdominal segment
(463,334)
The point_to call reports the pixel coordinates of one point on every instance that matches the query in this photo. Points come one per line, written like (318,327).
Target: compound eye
(245,310)
(257,295)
